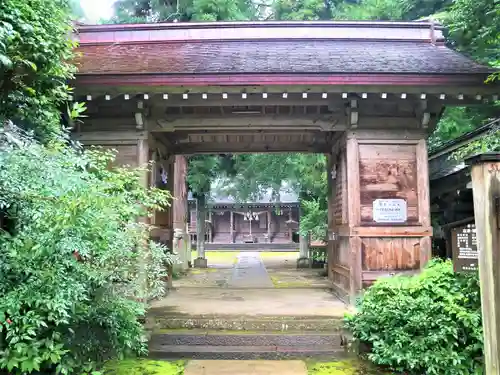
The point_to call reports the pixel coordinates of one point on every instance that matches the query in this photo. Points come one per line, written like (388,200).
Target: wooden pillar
(142,160)
(231,225)
(250,224)
(486,191)
(201,217)
(269,226)
(379,215)
(290,232)
(180,211)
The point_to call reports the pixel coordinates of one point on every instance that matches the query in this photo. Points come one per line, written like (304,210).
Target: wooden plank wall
(377,165)
(338,251)
(134,147)
(387,171)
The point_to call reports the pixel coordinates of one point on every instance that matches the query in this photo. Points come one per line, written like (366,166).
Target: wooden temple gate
(364,94)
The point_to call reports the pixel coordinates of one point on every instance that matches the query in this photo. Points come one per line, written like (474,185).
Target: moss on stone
(143,367)
(347,367)
(280,283)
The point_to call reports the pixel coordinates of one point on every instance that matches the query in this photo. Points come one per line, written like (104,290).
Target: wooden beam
(231,225)
(486,190)
(269,225)
(355,269)
(270,122)
(252,100)
(384,231)
(94,137)
(371,276)
(280,122)
(384,135)
(96,89)
(353,188)
(215,148)
(180,193)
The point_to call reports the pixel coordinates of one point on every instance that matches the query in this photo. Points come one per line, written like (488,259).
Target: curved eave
(341,80)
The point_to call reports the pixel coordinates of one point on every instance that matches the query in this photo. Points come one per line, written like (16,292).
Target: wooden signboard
(464,248)
(390,211)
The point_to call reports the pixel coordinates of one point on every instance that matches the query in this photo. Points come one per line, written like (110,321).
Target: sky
(97,9)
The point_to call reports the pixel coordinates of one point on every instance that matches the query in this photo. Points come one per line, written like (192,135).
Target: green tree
(132,11)
(35,55)
(387,10)
(202,171)
(434,319)
(473,30)
(307,174)
(77,10)
(302,10)
(73,268)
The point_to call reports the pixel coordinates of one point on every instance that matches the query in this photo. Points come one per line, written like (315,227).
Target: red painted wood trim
(277,79)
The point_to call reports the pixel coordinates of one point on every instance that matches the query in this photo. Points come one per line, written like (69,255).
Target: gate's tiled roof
(275,56)
(270,48)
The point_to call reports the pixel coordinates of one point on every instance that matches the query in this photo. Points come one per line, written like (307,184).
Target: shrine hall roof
(269,48)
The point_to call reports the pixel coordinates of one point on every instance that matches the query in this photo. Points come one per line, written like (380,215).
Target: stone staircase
(249,318)
(251,246)
(248,337)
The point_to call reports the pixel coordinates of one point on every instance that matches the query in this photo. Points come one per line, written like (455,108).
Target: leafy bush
(426,324)
(75,268)
(35,56)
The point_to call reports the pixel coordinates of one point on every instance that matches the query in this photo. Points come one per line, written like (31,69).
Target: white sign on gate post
(390,211)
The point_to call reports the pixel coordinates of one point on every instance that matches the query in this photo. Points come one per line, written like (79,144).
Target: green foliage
(257,173)
(434,319)
(382,10)
(76,10)
(143,367)
(202,170)
(302,10)
(490,142)
(390,9)
(74,267)
(132,11)
(35,54)
(314,219)
(306,174)
(473,26)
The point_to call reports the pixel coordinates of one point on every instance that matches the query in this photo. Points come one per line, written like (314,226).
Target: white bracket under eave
(426,118)
(139,121)
(139,115)
(353,113)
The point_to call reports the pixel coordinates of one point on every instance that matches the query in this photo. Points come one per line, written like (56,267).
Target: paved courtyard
(245,368)
(247,283)
(253,270)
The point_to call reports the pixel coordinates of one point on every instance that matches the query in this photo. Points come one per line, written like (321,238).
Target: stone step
(247,323)
(218,338)
(277,247)
(171,352)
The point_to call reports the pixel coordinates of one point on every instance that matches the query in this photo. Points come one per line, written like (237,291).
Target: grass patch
(143,367)
(278,283)
(278,254)
(217,255)
(347,367)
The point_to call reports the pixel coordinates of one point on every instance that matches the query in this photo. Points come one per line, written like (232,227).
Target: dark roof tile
(274,56)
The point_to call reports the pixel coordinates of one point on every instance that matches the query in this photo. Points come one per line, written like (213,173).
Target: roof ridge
(464,137)
(257,24)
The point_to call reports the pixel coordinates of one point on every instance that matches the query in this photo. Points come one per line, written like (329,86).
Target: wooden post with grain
(486,191)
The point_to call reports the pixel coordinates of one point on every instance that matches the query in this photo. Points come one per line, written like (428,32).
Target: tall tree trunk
(200,225)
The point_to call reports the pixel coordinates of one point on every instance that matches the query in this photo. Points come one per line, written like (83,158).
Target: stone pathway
(249,272)
(254,302)
(253,270)
(215,367)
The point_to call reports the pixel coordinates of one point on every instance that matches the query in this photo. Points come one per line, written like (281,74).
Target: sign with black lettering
(464,248)
(390,211)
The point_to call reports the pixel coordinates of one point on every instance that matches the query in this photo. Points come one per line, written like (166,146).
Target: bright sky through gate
(97,9)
